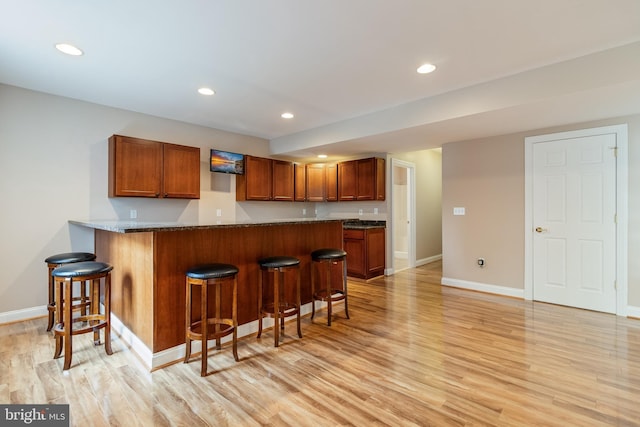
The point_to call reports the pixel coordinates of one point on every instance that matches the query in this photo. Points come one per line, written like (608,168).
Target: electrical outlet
(218,212)
(304,211)
(133,214)
(359,211)
(375,211)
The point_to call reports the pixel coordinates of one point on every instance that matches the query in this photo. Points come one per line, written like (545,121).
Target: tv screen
(226,162)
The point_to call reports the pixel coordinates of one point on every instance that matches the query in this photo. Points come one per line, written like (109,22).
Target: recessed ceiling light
(286,115)
(69,49)
(322,156)
(426,68)
(206,91)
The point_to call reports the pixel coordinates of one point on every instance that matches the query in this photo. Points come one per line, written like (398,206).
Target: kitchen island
(150,261)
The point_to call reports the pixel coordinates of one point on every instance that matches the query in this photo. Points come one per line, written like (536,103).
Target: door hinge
(615,285)
(615,151)
(615,218)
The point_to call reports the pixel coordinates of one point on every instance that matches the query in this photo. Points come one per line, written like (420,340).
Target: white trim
(411,255)
(622,194)
(23,314)
(483,287)
(174,354)
(633,312)
(428,260)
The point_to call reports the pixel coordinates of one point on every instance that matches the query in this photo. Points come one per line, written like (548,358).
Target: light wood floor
(413,353)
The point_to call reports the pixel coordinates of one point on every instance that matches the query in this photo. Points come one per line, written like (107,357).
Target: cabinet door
(135,167)
(348,180)
(181,171)
(300,182)
(316,182)
(282,180)
(366,179)
(380,179)
(332,182)
(356,256)
(255,184)
(375,252)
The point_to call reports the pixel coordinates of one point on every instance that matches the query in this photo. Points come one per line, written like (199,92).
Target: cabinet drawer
(354,234)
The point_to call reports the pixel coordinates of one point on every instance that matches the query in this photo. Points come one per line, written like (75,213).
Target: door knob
(540,229)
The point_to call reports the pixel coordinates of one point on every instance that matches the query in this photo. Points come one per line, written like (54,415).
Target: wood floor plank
(414,353)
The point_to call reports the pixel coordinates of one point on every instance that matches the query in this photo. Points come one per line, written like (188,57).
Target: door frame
(622,195)
(411,199)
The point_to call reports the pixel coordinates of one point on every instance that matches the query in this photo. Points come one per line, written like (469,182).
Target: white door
(403,213)
(574,222)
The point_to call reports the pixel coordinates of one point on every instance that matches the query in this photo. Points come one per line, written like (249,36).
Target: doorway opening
(403,215)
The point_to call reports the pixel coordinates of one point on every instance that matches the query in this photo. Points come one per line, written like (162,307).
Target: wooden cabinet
(348,180)
(144,168)
(282,180)
(332,182)
(256,182)
(365,252)
(362,179)
(265,179)
(299,182)
(316,182)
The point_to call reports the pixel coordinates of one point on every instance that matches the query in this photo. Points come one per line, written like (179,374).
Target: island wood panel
(148,282)
(177,251)
(131,279)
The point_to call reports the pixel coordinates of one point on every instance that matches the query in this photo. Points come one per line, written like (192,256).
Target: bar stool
(64,278)
(279,308)
(56,261)
(327,257)
(206,327)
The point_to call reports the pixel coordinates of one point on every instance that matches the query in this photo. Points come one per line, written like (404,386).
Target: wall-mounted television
(226,162)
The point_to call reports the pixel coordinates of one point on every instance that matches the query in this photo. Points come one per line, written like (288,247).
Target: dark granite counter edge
(363,224)
(139,227)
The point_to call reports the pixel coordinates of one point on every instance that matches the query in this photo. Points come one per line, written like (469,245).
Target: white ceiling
(345,68)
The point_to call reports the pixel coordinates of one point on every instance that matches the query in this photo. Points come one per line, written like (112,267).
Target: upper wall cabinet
(256,183)
(265,179)
(362,179)
(143,168)
(316,182)
(299,182)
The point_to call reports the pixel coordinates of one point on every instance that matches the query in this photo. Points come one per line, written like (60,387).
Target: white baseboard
(633,312)
(24,314)
(428,260)
(162,358)
(483,287)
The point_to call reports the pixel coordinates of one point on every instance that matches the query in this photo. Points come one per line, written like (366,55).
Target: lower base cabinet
(365,252)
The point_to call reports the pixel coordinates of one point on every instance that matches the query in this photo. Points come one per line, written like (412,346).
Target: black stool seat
(70,257)
(212,271)
(328,254)
(78,269)
(56,261)
(278,262)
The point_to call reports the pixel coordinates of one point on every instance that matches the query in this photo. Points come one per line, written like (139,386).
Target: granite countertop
(117,226)
(363,224)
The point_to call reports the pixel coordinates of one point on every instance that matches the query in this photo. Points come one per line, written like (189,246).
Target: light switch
(458,211)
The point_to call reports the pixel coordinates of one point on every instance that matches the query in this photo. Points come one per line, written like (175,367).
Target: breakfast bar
(150,261)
